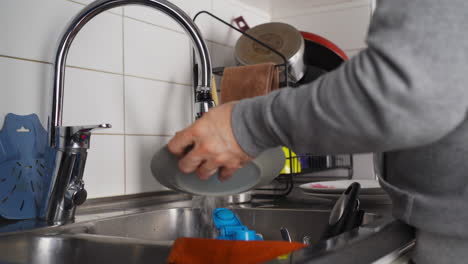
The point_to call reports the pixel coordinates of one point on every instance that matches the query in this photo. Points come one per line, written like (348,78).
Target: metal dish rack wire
(301,164)
(310,163)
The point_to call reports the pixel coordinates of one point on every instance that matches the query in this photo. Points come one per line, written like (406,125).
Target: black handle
(346,214)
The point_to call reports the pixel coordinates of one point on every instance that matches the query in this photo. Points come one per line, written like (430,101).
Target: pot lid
(280,36)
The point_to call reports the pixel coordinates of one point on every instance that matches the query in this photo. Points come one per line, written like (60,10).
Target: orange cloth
(213,251)
(248,81)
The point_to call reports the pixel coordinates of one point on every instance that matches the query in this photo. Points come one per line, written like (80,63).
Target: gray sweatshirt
(406,95)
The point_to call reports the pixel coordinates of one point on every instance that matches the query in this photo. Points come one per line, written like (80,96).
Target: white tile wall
(94,98)
(147,14)
(345,26)
(154,108)
(282,8)
(228,10)
(157,53)
(190,7)
(130,67)
(24,86)
(105,173)
(222,55)
(363,166)
(139,152)
(30,29)
(116,10)
(99,44)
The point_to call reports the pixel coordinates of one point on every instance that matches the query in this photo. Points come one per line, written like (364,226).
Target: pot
(320,56)
(282,37)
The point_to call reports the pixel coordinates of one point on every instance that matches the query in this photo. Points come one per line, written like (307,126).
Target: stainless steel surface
(399,256)
(67,186)
(80,248)
(169,224)
(202,107)
(297,66)
(283,38)
(367,244)
(120,232)
(239,198)
(71,143)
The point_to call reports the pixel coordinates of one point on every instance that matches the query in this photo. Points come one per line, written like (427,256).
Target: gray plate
(258,172)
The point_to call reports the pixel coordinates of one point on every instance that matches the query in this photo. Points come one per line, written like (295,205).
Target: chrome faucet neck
(67,186)
(100,6)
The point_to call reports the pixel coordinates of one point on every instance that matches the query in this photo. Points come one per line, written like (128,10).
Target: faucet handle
(87,129)
(77,137)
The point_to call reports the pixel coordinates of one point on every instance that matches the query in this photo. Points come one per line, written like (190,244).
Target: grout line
(94,70)
(83,4)
(156,80)
(174,30)
(24,59)
(219,43)
(149,135)
(107,134)
(132,135)
(124,106)
(159,26)
(331,10)
(50,63)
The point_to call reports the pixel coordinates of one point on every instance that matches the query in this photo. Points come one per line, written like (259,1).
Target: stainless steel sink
(170,224)
(79,248)
(119,233)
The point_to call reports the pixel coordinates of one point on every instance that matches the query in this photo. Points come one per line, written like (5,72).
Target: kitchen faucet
(72,142)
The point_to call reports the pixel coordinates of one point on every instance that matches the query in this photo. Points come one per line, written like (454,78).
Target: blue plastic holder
(26,165)
(230,227)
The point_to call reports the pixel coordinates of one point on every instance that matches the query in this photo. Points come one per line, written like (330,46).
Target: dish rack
(304,168)
(299,165)
(310,163)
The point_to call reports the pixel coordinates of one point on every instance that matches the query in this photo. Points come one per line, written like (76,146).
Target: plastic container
(231,228)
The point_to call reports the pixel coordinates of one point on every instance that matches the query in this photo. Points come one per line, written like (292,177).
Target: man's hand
(212,145)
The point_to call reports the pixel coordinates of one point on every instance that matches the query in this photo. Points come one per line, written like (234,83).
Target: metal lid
(282,37)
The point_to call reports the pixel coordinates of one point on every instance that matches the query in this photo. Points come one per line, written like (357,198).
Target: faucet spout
(100,6)
(71,143)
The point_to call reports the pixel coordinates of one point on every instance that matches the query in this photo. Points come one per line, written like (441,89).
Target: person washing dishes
(405,95)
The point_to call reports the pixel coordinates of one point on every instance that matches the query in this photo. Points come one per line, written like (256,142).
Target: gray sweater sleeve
(408,88)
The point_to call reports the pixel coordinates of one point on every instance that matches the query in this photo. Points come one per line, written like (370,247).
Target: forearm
(388,97)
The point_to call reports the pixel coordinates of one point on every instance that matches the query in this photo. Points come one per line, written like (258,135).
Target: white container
(259,172)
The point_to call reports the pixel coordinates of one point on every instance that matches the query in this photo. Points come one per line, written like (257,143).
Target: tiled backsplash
(130,67)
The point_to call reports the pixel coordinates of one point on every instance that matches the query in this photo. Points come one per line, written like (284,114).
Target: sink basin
(79,248)
(170,224)
(144,234)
